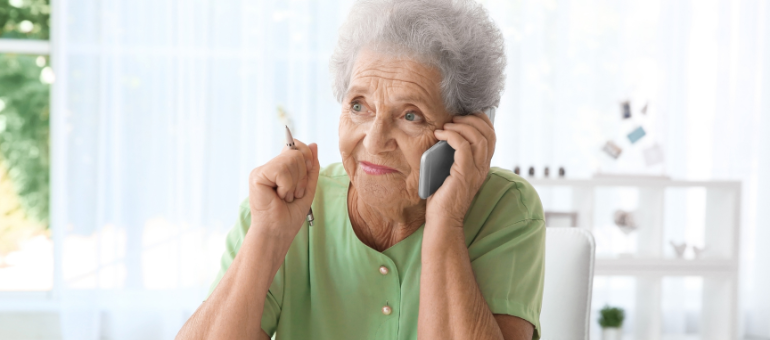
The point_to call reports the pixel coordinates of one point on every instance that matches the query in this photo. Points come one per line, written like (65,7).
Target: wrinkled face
(388,116)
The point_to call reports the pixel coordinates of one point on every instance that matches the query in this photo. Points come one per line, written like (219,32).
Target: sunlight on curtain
(161,109)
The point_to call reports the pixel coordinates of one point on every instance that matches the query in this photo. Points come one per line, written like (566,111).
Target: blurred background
(128,129)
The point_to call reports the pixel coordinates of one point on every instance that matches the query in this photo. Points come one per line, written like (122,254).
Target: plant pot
(612,333)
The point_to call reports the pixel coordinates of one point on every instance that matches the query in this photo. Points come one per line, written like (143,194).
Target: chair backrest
(569,272)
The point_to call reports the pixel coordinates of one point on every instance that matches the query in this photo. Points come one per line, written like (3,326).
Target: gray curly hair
(456,36)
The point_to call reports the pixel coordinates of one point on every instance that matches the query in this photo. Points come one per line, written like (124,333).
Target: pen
(290,144)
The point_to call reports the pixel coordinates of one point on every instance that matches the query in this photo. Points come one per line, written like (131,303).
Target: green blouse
(333,286)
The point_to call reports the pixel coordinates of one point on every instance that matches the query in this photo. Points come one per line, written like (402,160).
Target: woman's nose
(379,137)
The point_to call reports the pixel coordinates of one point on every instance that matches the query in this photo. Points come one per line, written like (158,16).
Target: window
(26,249)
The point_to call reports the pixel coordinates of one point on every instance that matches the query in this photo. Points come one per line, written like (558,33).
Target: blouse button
(387,310)
(383,270)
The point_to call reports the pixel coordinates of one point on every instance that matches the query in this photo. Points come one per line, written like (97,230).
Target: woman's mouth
(374,169)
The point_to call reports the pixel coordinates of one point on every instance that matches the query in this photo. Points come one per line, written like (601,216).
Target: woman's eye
(410,116)
(357,107)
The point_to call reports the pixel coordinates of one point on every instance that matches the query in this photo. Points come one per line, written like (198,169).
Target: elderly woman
(379,262)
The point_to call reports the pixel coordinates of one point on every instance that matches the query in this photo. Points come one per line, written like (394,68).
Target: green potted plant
(611,320)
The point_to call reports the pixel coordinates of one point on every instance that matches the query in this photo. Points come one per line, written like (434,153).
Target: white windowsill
(25,46)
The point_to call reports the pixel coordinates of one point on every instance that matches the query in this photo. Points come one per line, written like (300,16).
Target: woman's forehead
(407,79)
(394,89)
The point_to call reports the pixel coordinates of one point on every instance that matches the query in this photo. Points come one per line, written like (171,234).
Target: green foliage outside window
(25,19)
(24,122)
(24,131)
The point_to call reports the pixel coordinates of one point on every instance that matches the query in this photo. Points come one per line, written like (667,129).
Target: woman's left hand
(473,138)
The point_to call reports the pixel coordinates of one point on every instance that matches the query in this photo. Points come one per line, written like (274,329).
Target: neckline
(349,229)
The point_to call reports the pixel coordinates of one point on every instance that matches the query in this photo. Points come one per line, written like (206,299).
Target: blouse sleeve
(508,256)
(272,309)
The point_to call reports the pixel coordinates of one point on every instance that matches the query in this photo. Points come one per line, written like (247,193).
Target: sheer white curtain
(161,108)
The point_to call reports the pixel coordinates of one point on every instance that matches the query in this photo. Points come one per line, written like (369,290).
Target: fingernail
(301,193)
(290,197)
(308,164)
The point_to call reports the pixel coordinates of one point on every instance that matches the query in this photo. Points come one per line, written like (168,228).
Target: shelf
(665,267)
(630,181)
(664,209)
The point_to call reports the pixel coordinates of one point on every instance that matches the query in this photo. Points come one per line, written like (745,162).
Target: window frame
(42,301)
(25,46)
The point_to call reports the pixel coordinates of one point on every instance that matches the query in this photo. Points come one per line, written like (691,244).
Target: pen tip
(289,138)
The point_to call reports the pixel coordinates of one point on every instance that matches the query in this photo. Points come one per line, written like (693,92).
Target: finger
(463,153)
(282,178)
(285,172)
(478,120)
(482,119)
(313,173)
(300,181)
(482,123)
(308,160)
(473,136)
(274,175)
(468,131)
(305,152)
(299,191)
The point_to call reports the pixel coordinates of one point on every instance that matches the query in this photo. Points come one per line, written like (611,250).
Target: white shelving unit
(646,254)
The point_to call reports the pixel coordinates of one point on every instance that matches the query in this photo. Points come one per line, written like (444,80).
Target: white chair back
(569,272)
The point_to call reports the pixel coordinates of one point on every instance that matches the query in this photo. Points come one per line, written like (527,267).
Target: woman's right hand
(281,191)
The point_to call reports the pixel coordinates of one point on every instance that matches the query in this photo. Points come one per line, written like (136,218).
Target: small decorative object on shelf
(625,109)
(611,321)
(679,249)
(653,155)
(625,221)
(562,173)
(546,172)
(644,108)
(636,135)
(531,171)
(612,149)
(698,251)
(516,170)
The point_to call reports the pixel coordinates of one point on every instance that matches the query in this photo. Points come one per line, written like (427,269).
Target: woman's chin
(381,189)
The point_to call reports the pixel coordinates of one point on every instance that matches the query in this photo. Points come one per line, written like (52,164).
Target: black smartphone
(436,162)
